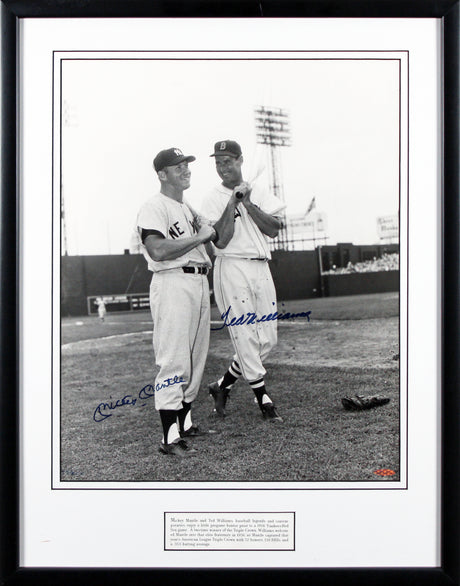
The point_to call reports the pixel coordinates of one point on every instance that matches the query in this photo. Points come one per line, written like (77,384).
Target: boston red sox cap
(169,158)
(226,147)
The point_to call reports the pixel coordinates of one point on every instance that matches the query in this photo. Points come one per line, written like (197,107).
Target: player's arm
(267,224)
(225,225)
(209,249)
(159,248)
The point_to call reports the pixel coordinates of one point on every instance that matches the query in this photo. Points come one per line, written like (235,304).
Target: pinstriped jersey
(174,221)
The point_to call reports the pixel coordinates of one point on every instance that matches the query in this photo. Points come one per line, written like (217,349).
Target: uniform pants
(179,304)
(246,287)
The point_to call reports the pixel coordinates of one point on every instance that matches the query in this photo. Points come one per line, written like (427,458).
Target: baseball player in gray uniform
(243,217)
(172,241)
(101,309)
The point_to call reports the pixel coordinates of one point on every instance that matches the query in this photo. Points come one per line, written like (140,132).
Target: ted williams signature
(102,411)
(251,318)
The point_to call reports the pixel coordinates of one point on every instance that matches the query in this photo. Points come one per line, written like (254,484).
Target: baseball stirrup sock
(258,386)
(184,416)
(231,376)
(169,422)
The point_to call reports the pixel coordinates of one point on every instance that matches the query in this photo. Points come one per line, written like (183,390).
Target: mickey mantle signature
(102,411)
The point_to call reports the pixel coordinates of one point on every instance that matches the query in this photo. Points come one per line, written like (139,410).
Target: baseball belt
(199,270)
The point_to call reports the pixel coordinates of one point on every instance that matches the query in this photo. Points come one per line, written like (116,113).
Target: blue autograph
(101,413)
(251,318)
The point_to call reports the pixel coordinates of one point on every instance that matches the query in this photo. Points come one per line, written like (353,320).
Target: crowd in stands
(388,262)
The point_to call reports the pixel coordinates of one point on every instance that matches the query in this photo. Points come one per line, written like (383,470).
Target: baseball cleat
(179,448)
(220,398)
(195,431)
(269,412)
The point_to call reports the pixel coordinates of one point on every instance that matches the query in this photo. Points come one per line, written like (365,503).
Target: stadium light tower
(272,129)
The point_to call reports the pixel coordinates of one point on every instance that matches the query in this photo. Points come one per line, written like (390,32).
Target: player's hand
(206,233)
(241,192)
(199,221)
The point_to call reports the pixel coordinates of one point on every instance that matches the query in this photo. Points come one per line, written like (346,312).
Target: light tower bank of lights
(272,129)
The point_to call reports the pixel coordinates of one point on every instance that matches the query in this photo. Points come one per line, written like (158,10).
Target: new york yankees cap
(169,158)
(226,147)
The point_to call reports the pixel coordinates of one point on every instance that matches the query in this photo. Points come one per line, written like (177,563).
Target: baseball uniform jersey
(179,304)
(101,309)
(242,279)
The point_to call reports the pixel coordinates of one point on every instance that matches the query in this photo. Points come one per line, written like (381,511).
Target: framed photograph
(230,281)
(103,307)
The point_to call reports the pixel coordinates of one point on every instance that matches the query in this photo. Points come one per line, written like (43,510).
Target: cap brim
(188,158)
(225,153)
(180,160)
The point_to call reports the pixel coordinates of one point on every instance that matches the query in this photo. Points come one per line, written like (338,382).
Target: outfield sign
(128,302)
(303,224)
(388,227)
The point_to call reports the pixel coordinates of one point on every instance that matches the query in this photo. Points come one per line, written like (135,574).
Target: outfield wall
(296,276)
(84,276)
(360,283)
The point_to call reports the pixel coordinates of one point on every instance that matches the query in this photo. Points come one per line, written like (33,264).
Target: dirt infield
(349,346)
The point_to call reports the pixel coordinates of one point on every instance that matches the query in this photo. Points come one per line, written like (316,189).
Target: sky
(118,114)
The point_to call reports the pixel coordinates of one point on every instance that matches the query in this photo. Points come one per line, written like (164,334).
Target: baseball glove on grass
(360,403)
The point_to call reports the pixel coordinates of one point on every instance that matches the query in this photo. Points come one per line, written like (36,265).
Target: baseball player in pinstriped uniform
(243,218)
(173,245)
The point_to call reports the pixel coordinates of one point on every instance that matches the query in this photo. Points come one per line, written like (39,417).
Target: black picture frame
(11,12)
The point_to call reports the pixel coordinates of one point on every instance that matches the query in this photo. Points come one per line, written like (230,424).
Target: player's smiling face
(229,170)
(178,176)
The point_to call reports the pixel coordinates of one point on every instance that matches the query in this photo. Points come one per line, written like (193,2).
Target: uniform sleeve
(153,216)
(211,207)
(267,202)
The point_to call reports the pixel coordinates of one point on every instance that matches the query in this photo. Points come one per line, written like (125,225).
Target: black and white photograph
(231,293)
(229,229)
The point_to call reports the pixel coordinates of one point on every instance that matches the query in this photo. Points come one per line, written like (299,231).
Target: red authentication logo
(384,472)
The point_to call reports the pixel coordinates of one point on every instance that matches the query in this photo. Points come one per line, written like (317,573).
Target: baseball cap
(227,147)
(169,158)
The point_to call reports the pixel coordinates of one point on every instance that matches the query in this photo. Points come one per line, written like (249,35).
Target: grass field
(350,346)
